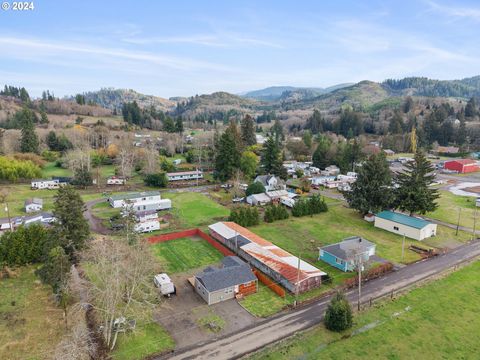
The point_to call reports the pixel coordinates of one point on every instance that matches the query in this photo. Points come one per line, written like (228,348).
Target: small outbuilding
(343,255)
(33,205)
(234,277)
(402,224)
(258,199)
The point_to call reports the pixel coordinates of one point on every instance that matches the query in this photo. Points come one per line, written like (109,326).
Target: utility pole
(403,247)
(298,283)
(359,270)
(8,215)
(474,223)
(458,221)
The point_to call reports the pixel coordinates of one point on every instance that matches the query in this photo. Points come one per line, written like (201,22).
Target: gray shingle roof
(135,195)
(348,247)
(234,272)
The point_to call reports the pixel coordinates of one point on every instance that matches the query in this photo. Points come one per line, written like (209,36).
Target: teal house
(342,255)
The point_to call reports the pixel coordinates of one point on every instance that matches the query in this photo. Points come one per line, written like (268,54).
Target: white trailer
(165,284)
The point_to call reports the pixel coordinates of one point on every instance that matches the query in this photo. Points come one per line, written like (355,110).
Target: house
(276,195)
(43,184)
(147,226)
(331,170)
(146,215)
(321,180)
(185,175)
(260,139)
(344,254)
(258,199)
(462,166)
(140,201)
(5,225)
(43,218)
(233,278)
(447,150)
(33,205)
(347,178)
(282,267)
(389,152)
(402,224)
(116,180)
(271,182)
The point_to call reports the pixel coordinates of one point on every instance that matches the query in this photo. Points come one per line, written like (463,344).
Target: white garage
(402,224)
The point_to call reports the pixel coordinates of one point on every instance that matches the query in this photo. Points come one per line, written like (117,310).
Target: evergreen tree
(24,95)
(83,177)
(471,108)
(227,155)
(315,122)
(396,124)
(179,125)
(320,156)
(408,104)
(71,228)
(29,139)
(414,193)
(277,132)
(247,129)
(338,316)
(307,138)
(157,180)
(43,117)
(372,191)
(169,125)
(271,160)
(52,140)
(462,133)
(55,269)
(255,188)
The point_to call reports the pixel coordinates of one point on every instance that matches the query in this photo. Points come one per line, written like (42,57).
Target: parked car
(238,199)
(226,186)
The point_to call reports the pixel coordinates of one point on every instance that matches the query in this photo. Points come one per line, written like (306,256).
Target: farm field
(449,205)
(437,321)
(183,254)
(190,210)
(30,323)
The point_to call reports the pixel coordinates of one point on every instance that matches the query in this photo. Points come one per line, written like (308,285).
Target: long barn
(284,268)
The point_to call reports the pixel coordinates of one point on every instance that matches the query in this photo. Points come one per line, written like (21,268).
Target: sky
(183,48)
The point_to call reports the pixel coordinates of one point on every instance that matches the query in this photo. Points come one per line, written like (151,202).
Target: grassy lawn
(437,321)
(191,210)
(184,254)
(302,236)
(104,211)
(30,323)
(264,302)
(146,340)
(50,170)
(449,205)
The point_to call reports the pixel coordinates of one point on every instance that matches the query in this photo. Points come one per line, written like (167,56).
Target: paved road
(288,323)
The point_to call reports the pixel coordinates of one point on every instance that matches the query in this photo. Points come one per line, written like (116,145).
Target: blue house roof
(403,219)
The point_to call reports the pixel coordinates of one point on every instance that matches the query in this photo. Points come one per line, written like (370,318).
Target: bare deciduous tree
(125,157)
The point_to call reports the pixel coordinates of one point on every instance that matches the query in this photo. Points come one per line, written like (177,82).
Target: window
(338,261)
(395,228)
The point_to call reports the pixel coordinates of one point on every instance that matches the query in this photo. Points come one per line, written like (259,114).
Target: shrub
(34,158)
(13,170)
(158,180)
(244,215)
(275,212)
(255,188)
(310,206)
(338,316)
(49,155)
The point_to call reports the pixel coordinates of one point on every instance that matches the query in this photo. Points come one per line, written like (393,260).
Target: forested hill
(421,86)
(115,98)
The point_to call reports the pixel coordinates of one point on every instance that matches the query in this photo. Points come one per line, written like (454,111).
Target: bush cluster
(309,206)
(275,212)
(244,215)
(157,180)
(338,316)
(13,170)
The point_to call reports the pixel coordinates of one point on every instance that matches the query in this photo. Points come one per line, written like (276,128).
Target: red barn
(462,165)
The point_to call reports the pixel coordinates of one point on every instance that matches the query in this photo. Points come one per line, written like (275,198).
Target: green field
(50,170)
(437,321)
(185,254)
(190,210)
(448,210)
(146,340)
(30,323)
(303,236)
(104,211)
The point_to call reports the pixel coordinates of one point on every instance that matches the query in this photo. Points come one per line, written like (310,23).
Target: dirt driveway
(180,314)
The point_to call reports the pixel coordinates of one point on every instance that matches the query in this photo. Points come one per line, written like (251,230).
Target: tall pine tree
(227,158)
(271,158)
(247,128)
(414,193)
(372,191)
(29,140)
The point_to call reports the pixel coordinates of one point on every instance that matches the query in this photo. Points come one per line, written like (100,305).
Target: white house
(277,194)
(321,180)
(33,205)
(331,170)
(146,215)
(402,224)
(116,180)
(271,182)
(140,201)
(44,184)
(258,199)
(260,139)
(147,226)
(185,175)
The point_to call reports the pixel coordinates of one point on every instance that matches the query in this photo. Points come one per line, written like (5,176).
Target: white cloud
(456,11)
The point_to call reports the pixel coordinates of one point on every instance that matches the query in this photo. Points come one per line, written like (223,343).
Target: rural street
(288,323)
